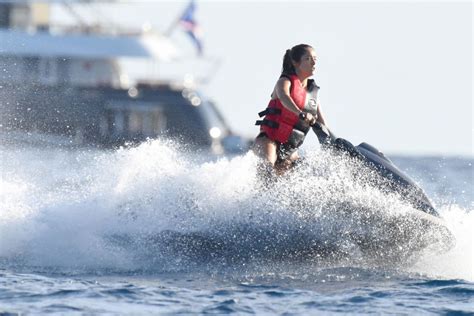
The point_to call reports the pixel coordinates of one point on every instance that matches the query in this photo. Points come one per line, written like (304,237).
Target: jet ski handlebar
(325,136)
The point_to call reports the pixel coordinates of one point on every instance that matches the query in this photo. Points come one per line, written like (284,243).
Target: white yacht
(67,84)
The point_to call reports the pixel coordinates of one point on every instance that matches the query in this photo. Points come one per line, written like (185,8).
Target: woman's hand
(310,119)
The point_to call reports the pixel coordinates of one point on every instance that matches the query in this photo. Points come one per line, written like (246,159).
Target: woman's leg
(266,148)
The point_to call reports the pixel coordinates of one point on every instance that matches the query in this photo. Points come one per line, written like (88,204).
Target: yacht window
(135,122)
(48,70)
(31,68)
(147,124)
(135,118)
(119,123)
(158,121)
(104,126)
(63,65)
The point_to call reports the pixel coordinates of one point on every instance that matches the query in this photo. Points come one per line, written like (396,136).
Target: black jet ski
(376,160)
(423,220)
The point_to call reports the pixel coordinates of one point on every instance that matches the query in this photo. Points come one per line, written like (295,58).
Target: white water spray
(58,206)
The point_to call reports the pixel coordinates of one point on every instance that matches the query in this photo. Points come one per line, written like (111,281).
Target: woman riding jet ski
(293,108)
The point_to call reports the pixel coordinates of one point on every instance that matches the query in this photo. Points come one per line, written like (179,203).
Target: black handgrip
(325,136)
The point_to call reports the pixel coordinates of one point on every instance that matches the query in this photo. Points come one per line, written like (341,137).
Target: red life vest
(279,122)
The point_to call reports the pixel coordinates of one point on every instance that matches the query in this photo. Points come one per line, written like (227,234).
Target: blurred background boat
(69,85)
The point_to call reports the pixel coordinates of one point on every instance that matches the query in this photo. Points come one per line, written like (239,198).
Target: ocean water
(156,229)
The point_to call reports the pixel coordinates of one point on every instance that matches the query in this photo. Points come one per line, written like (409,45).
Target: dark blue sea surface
(331,290)
(154,230)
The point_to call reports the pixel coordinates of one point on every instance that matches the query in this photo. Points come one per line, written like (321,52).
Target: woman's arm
(283,93)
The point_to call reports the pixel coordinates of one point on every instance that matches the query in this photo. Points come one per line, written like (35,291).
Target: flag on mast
(189,24)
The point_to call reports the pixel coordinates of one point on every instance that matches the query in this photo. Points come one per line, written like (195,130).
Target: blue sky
(397,75)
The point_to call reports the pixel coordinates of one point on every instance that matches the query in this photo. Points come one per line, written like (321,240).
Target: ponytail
(288,67)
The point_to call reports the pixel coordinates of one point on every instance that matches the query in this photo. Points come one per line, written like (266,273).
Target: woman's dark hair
(293,55)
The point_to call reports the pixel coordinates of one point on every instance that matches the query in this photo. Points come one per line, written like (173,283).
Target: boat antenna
(68,6)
